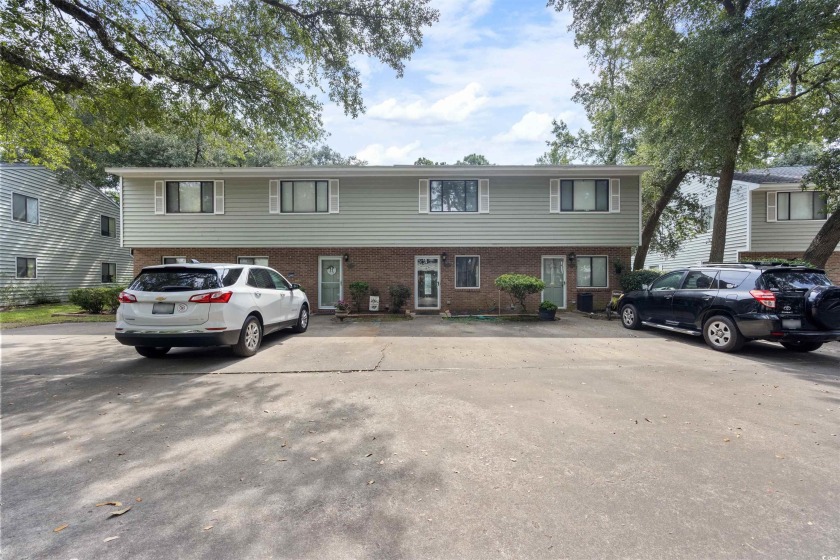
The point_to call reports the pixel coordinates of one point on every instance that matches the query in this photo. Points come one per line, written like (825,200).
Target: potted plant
(547,311)
(342,309)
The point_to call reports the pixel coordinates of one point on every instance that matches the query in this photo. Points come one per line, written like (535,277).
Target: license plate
(163,308)
(791,323)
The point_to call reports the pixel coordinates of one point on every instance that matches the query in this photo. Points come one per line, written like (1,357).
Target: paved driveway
(420,439)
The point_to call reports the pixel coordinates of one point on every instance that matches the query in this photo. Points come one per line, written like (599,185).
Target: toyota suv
(207,305)
(730,304)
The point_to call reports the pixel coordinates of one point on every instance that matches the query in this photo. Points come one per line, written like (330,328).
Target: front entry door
(554,276)
(427,282)
(329,282)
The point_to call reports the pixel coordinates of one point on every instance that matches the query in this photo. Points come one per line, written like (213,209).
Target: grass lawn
(42,315)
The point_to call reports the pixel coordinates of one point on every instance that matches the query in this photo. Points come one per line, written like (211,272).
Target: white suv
(208,305)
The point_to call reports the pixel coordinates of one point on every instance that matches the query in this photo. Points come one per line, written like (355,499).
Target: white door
(554,276)
(330,285)
(268,299)
(427,282)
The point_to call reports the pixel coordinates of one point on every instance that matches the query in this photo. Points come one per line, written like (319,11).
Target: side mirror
(646,287)
(295,286)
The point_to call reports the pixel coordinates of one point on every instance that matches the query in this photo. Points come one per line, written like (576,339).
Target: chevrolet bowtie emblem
(160,298)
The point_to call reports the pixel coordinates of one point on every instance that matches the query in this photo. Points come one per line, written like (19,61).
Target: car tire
(630,317)
(721,334)
(802,346)
(152,351)
(250,338)
(303,321)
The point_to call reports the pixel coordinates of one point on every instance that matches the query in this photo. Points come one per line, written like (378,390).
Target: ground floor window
(467,271)
(26,267)
(592,272)
(259,261)
(109,272)
(174,260)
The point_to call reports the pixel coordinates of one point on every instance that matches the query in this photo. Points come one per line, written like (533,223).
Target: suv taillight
(212,297)
(765,298)
(125,297)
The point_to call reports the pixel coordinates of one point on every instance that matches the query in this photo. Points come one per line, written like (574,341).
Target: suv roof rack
(724,265)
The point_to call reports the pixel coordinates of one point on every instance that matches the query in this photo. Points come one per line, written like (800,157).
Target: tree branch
(794,96)
(65,82)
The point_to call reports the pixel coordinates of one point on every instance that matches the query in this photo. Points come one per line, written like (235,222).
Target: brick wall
(832,267)
(384,266)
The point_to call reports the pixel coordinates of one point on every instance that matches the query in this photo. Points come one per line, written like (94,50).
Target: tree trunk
(825,242)
(671,185)
(724,190)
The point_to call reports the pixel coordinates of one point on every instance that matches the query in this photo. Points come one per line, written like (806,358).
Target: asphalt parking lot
(420,439)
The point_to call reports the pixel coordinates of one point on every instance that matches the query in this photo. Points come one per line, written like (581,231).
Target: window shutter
(160,200)
(333,196)
(771,207)
(615,195)
(219,196)
(424,196)
(554,196)
(484,196)
(273,197)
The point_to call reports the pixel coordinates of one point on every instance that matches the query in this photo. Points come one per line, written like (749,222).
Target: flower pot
(547,315)
(341,315)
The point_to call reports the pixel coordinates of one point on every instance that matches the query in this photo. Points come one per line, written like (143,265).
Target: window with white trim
(304,197)
(259,261)
(468,271)
(585,195)
(174,260)
(453,195)
(24,208)
(801,205)
(109,272)
(709,216)
(189,197)
(107,226)
(592,272)
(26,267)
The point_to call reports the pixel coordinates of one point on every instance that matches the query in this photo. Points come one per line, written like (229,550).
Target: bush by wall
(399,295)
(359,291)
(27,293)
(519,286)
(96,300)
(633,280)
(781,260)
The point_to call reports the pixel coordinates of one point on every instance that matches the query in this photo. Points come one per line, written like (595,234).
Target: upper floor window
(109,272)
(108,226)
(26,267)
(304,196)
(585,195)
(24,208)
(189,197)
(802,205)
(453,196)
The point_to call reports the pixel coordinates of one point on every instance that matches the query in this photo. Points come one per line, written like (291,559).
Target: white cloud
(454,107)
(377,154)
(532,127)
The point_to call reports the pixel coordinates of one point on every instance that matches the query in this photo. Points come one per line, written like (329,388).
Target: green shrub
(95,300)
(40,293)
(519,286)
(399,295)
(633,280)
(359,291)
(111,296)
(547,306)
(780,260)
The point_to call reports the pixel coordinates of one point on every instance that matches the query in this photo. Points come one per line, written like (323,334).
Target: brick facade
(385,266)
(832,267)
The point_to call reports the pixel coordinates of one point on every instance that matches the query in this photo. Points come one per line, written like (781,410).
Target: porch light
(572,258)
(443,257)
(346,257)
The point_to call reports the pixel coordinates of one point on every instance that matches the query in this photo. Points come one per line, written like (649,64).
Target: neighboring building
(446,232)
(54,237)
(769,216)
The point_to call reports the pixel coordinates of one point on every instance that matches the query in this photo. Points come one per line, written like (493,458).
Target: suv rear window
(793,280)
(176,280)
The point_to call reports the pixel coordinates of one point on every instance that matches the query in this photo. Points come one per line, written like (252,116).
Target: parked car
(730,304)
(208,305)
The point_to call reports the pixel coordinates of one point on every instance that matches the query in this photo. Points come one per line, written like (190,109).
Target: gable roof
(770,175)
(15,166)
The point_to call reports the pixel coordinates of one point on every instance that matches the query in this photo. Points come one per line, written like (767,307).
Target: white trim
(749,226)
(160,199)
(274,184)
(416,295)
(26,277)
(777,220)
(484,196)
(424,196)
(316,213)
(204,180)
(578,257)
(164,257)
(253,257)
(218,196)
(554,196)
(340,260)
(614,203)
(12,208)
(586,212)
(478,276)
(640,215)
(100,225)
(774,205)
(122,213)
(565,278)
(332,198)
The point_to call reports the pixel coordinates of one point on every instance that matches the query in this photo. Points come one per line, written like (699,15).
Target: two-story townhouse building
(55,236)
(445,232)
(769,216)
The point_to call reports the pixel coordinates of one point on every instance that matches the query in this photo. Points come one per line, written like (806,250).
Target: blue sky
(490,77)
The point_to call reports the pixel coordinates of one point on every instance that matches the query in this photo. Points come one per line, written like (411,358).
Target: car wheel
(722,335)
(250,338)
(303,320)
(630,317)
(152,351)
(802,346)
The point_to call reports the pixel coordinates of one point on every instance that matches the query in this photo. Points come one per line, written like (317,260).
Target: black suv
(730,304)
